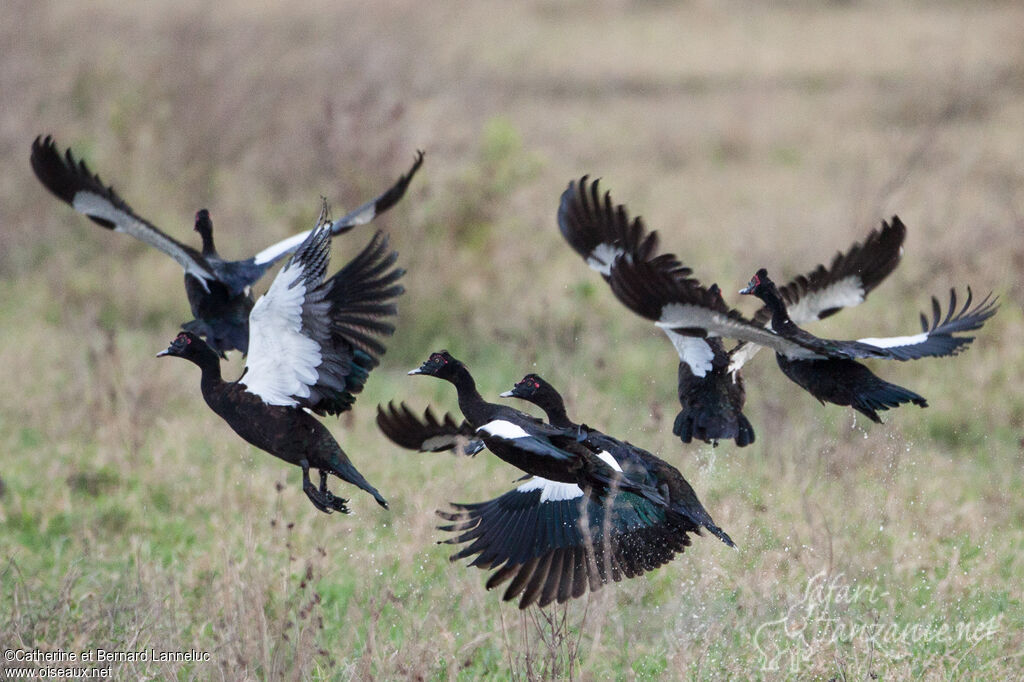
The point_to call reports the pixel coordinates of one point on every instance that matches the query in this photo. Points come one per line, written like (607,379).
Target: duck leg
(336,503)
(321,498)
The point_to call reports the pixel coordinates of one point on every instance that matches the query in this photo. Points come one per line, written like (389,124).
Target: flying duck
(312,343)
(218,290)
(549,540)
(529,444)
(826,368)
(710,382)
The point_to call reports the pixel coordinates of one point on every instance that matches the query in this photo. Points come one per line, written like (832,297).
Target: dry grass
(131,517)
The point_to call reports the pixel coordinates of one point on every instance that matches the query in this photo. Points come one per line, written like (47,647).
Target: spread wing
(553,543)
(846,282)
(360,216)
(848,279)
(936,338)
(601,231)
(72,182)
(312,343)
(689,309)
(428,434)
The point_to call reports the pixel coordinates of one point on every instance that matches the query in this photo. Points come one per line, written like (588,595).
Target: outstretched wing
(687,309)
(553,543)
(845,283)
(360,216)
(428,434)
(601,231)
(848,279)
(313,343)
(936,339)
(73,182)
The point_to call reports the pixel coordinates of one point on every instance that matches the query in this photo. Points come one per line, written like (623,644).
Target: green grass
(132,517)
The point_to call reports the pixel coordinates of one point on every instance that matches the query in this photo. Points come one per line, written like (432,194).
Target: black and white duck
(826,368)
(550,540)
(525,442)
(710,381)
(312,344)
(218,290)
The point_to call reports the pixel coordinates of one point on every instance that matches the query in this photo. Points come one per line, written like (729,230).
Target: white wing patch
(844,293)
(551,491)
(609,460)
(694,351)
(503,429)
(602,257)
(742,356)
(279,249)
(687,315)
(893,341)
(282,361)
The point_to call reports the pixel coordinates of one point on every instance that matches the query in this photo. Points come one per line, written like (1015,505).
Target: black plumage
(710,382)
(636,462)
(832,375)
(687,308)
(525,442)
(549,541)
(218,290)
(317,367)
(428,434)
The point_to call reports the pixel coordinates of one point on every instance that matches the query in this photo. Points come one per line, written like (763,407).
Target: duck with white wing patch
(312,345)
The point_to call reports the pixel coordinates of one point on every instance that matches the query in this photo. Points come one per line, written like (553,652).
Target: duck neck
(554,408)
(208,248)
(780,316)
(209,363)
(472,404)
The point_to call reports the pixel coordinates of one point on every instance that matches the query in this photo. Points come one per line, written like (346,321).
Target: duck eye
(536,385)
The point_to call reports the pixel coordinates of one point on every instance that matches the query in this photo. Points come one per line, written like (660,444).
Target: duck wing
(554,543)
(428,434)
(600,231)
(72,182)
(688,309)
(312,343)
(359,216)
(845,283)
(936,338)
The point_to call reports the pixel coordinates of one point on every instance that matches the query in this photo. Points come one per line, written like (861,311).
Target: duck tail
(342,467)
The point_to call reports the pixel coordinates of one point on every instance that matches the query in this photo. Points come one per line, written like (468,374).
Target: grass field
(132,518)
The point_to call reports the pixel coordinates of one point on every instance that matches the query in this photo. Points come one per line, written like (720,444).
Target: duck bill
(507,394)
(165,351)
(749,289)
(418,370)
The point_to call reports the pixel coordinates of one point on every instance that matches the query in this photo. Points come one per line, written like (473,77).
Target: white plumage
(609,460)
(282,361)
(894,341)
(551,491)
(694,351)
(500,428)
(844,293)
(602,257)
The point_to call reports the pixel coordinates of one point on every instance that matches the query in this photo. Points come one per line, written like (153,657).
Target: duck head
(527,388)
(440,364)
(204,226)
(759,284)
(189,346)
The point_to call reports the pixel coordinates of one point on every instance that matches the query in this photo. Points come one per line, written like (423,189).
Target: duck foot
(322,498)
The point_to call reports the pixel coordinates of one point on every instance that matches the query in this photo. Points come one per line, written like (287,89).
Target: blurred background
(748,135)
